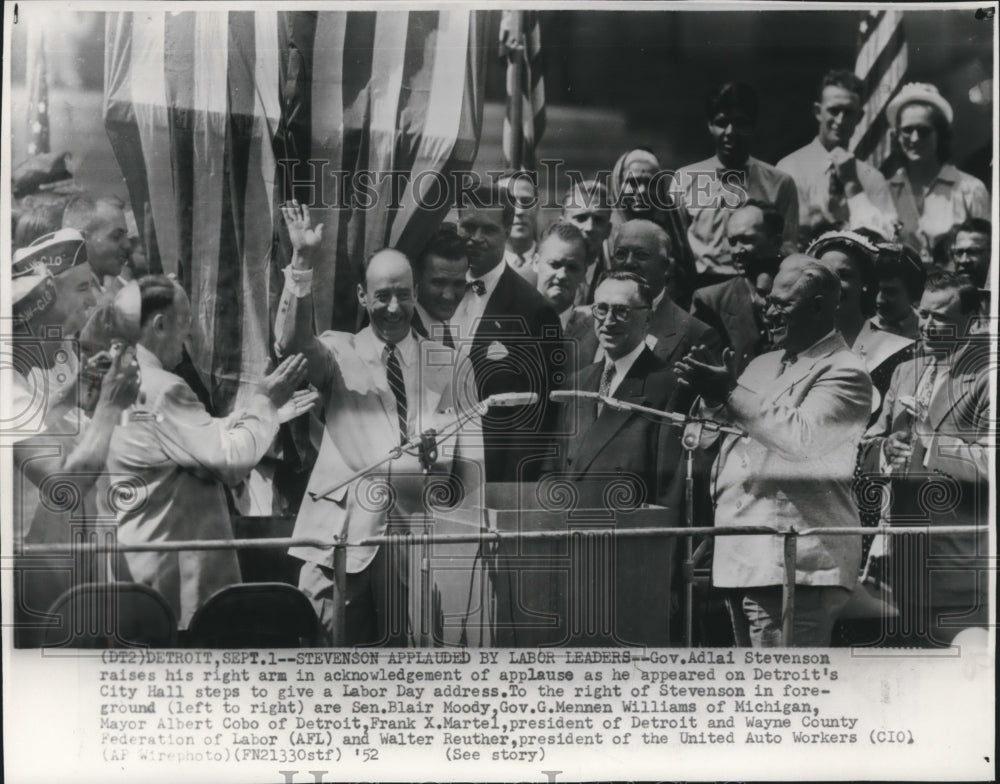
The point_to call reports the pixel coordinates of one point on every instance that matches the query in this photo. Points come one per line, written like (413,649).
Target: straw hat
(914,92)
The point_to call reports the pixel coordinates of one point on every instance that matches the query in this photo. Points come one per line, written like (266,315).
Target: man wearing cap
(804,408)
(834,187)
(59,452)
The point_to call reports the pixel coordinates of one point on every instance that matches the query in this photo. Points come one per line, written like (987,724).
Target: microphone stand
(693,429)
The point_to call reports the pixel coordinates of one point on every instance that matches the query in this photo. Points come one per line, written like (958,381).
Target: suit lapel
(804,365)
(665,326)
(610,421)
(953,392)
(372,358)
(738,311)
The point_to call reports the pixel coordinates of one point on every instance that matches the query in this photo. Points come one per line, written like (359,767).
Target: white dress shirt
(473,305)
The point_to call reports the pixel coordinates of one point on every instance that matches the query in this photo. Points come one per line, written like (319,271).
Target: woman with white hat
(930,194)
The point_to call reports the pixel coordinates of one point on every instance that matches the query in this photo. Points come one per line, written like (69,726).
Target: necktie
(925,390)
(394,375)
(605,389)
(787,361)
(446,336)
(477,286)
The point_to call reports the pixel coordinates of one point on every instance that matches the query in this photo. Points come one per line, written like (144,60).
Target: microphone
(565,395)
(509,399)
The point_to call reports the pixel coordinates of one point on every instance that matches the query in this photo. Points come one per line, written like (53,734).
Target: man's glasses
(620,312)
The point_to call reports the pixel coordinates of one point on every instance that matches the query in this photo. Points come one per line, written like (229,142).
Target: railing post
(788,590)
(339,631)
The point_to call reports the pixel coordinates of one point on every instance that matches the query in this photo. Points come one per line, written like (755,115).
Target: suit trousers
(375,602)
(756,615)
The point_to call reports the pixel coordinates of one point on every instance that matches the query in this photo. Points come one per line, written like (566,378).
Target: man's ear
(817,108)
(361,296)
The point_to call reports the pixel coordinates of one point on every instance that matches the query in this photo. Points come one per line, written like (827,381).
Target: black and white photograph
(474,392)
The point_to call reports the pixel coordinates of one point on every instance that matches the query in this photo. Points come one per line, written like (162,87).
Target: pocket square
(496,351)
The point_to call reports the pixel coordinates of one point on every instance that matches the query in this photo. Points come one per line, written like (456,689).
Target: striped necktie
(605,388)
(394,375)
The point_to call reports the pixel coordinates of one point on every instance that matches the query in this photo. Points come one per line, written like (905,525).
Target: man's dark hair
(593,192)
(732,97)
(973,226)
(645,292)
(943,280)
(840,77)
(897,260)
(491,195)
(158,293)
(445,243)
(774,221)
(565,231)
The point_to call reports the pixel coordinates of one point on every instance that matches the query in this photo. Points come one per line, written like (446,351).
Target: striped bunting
(530,92)
(881,65)
(38,91)
(216,118)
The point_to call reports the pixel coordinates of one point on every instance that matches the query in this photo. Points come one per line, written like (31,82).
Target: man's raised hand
(305,238)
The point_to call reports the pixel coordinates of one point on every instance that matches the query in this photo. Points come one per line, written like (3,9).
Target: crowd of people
(836,316)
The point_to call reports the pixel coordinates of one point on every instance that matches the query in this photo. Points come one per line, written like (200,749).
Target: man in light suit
(607,449)
(735,307)
(644,247)
(181,457)
(805,408)
(379,388)
(560,268)
(509,333)
(933,440)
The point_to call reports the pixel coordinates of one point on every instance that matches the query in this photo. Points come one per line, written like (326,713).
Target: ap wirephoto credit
(403,391)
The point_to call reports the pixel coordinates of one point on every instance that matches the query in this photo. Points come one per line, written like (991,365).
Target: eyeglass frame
(616,310)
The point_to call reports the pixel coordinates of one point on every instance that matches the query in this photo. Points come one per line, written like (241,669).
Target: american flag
(521,44)
(881,65)
(217,118)
(38,91)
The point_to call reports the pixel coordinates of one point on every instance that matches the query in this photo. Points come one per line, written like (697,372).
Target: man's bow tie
(477,286)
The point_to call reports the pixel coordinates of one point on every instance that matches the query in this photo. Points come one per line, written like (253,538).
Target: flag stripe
(149,101)
(881,65)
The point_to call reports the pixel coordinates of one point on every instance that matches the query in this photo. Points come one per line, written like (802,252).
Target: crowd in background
(835,313)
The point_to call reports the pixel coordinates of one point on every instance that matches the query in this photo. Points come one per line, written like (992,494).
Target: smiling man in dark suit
(508,332)
(611,455)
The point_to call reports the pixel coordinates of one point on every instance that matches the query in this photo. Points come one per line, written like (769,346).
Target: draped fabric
(216,118)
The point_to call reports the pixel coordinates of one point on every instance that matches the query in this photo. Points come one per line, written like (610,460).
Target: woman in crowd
(931,195)
(639,188)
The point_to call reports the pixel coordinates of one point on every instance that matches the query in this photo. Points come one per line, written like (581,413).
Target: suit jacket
(514,349)
(179,459)
(360,428)
(794,469)
(676,331)
(729,309)
(603,449)
(946,481)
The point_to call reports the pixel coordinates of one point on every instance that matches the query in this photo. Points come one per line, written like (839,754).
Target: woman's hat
(914,92)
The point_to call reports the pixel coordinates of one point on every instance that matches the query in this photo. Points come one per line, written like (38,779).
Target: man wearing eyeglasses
(805,408)
(611,453)
(643,247)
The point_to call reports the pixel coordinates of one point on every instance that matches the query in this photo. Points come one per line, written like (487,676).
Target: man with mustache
(932,437)
(834,187)
(970,251)
(804,407)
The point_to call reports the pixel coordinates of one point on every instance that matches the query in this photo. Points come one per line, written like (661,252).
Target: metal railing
(790,538)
